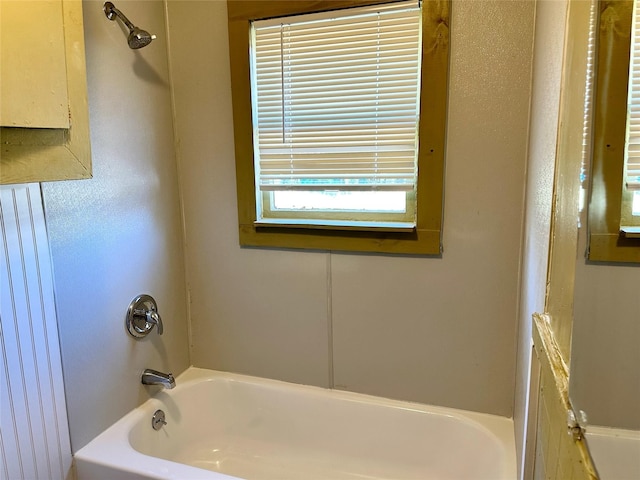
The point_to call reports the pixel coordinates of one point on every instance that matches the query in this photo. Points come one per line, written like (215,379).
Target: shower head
(138,38)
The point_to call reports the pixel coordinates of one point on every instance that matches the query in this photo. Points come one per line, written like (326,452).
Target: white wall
(119,234)
(545,102)
(432,330)
(605,348)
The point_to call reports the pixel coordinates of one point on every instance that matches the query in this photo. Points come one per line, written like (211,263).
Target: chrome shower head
(138,38)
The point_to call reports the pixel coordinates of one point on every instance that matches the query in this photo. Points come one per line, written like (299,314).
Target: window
(335,98)
(614,197)
(326,164)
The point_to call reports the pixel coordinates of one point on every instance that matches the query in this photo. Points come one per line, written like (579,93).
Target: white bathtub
(615,452)
(227,426)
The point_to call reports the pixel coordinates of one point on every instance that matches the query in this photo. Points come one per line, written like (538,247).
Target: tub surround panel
(393,337)
(270,316)
(119,234)
(252,311)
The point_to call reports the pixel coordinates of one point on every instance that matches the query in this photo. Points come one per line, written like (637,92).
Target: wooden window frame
(426,237)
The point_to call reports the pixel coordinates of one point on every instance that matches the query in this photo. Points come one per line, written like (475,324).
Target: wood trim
(38,155)
(566,194)
(572,455)
(613,247)
(420,242)
(249,10)
(433,103)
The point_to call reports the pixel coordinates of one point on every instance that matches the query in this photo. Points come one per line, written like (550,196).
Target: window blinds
(632,157)
(336,99)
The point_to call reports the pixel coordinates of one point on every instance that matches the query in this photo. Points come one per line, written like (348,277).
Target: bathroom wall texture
(119,234)
(434,330)
(545,102)
(605,353)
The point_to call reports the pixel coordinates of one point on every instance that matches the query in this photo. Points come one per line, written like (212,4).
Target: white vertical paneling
(34,436)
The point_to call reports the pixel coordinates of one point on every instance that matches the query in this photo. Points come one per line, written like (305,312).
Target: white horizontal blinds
(336,99)
(632,157)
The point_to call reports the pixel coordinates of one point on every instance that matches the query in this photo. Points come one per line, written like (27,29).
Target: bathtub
(615,452)
(225,426)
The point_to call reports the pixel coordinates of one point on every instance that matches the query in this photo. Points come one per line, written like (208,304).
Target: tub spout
(153,377)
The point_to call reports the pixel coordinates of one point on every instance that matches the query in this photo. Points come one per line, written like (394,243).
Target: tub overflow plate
(158,421)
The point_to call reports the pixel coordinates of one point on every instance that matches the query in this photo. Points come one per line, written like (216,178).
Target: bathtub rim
(603,443)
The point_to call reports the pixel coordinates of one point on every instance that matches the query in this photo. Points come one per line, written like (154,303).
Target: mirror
(605,342)
(605,362)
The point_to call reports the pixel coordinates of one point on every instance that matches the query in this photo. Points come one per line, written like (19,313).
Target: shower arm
(111,12)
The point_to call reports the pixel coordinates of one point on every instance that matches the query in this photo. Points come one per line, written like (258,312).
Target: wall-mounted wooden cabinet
(44,117)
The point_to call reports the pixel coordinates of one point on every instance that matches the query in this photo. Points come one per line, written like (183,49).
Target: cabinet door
(45,138)
(33,76)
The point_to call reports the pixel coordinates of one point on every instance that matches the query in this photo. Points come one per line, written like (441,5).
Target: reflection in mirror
(605,349)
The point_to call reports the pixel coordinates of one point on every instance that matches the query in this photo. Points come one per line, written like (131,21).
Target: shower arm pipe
(110,10)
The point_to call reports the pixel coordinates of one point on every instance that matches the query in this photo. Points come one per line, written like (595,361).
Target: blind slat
(632,148)
(337,99)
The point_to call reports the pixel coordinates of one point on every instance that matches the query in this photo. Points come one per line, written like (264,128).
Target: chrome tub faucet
(153,377)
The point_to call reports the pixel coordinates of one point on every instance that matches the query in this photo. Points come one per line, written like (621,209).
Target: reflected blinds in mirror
(632,157)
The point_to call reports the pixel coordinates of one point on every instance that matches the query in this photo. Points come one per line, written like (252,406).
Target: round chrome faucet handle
(142,315)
